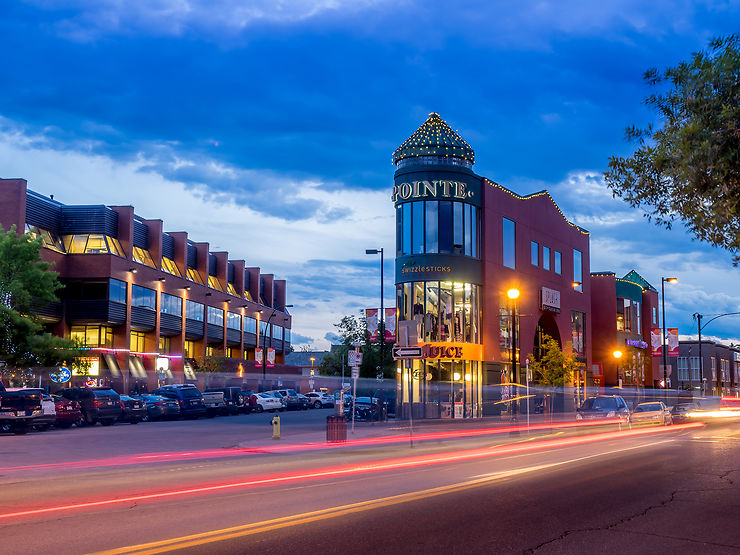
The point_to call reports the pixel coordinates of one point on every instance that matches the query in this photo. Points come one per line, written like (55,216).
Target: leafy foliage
(27,281)
(689,167)
(352,329)
(555,367)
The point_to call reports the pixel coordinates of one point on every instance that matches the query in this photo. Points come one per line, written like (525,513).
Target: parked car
(366,409)
(279,397)
(266,402)
(48,415)
(303,401)
(603,406)
(233,399)
(98,404)
(291,398)
(214,401)
(158,407)
(654,412)
(134,410)
(18,408)
(187,396)
(250,405)
(68,412)
(320,400)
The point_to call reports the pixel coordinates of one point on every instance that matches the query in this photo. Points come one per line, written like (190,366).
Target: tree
(689,166)
(353,329)
(555,367)
(26,281)
(210,365)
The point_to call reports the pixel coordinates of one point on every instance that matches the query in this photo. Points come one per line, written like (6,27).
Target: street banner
(270,357)
(656,338)
(672,341)
(258,357)
(371,316)
(390,325)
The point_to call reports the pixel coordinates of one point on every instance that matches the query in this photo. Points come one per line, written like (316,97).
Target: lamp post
(264,340)
(617,355)
(663,281)
(513,294)
(381,329)
(699,328)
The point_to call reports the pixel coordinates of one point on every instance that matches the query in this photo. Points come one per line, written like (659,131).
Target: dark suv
(97,404)
(187,396)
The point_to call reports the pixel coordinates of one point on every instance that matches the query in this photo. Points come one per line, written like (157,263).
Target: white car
(654,412)
(319,400)
(267,402)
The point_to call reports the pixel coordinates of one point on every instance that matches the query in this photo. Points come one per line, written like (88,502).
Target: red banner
(371,316)
(656,339)
(672,341)
(258,357)
(390,325)
(270,357)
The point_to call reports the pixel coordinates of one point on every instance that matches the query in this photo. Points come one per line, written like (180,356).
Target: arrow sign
(406,352)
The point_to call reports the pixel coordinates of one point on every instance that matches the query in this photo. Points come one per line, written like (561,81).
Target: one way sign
(406,352)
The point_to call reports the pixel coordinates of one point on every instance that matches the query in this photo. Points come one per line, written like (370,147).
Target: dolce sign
(431,189)
(550,300)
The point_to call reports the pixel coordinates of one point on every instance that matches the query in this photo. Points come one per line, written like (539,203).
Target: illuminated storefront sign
(94,369)
(431,189)
(452,351)
(550,300)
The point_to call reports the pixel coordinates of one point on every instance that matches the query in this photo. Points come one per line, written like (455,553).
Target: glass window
(170,304)
(215,283)
(189,349)
(277,332)
(407,228)
(474,232)
(233,321)
(247,295)
(535,253)
(558,263)
(457,228)
(399,229)
(193,310)
(117,291)
(115,246)
(263,328)
(250,325)
(215,316)
(655,316)
(286,335)
(417,234)
(468,239)
(546,257)
(194,275)
(169,266)
(431,311)
(92,243)
(509,243)
(432,226)
(578,269)
(48,239)
(137,341)
(578,321)
(165,344)
(445,227)
(446,314)
(92,336)
(623,315)
(143,297)
(142,256)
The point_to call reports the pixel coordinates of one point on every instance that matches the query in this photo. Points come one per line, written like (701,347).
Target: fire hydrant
(275,427)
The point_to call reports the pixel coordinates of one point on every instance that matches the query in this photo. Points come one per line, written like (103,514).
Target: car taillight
(160,404)
(97,404)
(122,405)
(181,403)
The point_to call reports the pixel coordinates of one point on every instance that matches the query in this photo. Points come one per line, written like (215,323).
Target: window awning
(112,364)
(136,366)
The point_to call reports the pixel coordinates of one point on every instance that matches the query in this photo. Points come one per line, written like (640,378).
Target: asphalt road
(635,491)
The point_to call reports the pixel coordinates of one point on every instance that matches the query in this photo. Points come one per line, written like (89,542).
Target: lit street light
(663,281)
(264,339)
(513,294)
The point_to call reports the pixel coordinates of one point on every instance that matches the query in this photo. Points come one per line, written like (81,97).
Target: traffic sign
(406,352)
(355,372)
(354,358)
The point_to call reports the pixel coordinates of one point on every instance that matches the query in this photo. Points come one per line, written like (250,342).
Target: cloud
(333,338)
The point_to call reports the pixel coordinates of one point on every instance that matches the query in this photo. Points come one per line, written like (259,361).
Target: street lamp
(699,327)
(513,294)
(663,281)
(264,340)
(617,355)
(380,319)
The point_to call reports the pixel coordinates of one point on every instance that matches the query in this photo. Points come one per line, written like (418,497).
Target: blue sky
(279,119)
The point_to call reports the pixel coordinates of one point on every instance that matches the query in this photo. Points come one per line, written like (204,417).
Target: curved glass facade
(437,227)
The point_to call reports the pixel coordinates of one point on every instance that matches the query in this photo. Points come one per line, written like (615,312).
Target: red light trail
(354,469)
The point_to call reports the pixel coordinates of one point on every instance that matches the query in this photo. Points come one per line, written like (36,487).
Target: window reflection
(509,243)
(438,227)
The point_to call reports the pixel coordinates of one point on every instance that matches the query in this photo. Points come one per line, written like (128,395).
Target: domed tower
(438,271)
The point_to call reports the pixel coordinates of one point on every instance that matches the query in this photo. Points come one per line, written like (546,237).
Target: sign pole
(528,378)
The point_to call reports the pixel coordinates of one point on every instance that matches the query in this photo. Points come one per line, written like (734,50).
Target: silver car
(654,412)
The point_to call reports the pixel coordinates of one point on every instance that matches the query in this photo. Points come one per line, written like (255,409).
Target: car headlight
(611,414)
(579,416)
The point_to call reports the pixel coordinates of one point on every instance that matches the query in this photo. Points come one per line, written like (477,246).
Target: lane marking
(213,536)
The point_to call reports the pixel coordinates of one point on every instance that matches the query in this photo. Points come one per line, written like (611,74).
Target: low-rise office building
(150,305)
(713,368)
